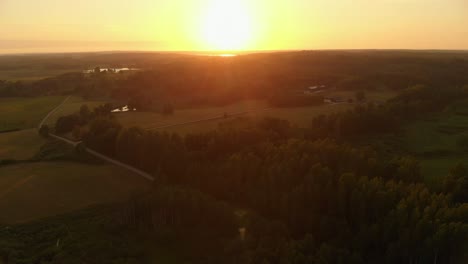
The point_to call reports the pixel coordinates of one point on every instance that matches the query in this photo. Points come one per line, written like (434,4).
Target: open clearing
(29,74)
(35,190)
(20,145)
(434,169)
(22,113)
(71,106)
(204,119)
(441,132)
(376,96)
(30,191)
(155,120)
(437,146)
(201,119)
(300,116)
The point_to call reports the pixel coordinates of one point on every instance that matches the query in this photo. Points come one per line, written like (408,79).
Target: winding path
(66,140)
(95,153)
(120,164)
(126,166)
(52,111)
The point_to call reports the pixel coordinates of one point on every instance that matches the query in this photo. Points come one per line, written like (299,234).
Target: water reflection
(123,109)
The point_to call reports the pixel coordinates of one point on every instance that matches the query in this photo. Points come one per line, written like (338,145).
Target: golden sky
(199,25)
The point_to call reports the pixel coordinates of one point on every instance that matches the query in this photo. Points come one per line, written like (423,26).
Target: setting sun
(226,26)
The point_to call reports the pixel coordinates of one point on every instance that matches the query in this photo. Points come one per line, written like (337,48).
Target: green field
(299,116)
(182,121)
(34,190)
(23,144)
(20,145)
(22,113)
(71,106)
(29,74)
(439,135)
(434,141)
(434,169)
(155,120)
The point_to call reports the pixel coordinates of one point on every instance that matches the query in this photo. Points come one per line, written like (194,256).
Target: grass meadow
(23,113)
(30,191)
(20,145)
(435,141)
(71,106)
(204,119)
(183,121)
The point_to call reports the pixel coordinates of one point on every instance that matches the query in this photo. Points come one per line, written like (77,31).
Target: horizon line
(236,52)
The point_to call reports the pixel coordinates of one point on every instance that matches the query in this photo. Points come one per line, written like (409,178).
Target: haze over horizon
(29,26)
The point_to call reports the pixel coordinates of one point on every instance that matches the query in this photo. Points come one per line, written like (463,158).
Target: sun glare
(226,26)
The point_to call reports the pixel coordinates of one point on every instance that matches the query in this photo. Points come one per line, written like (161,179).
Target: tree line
(281,78)
(312,196)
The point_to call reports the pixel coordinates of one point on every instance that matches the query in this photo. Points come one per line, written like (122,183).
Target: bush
(44,131)
(66,124)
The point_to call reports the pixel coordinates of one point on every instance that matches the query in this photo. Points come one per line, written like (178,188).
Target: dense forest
(312,194)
